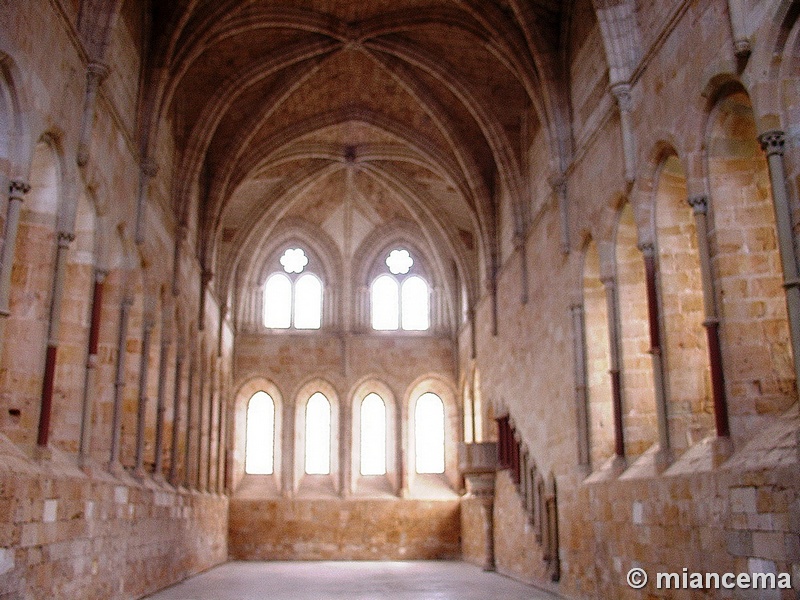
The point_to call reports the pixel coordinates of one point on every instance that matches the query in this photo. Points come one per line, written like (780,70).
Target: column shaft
(46,409)
(91,364)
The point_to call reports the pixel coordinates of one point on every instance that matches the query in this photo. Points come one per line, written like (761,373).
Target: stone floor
(429,580)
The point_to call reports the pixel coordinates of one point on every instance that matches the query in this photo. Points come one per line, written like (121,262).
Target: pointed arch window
(260,443)
(373,435)
(293,296)
(400,299)
(318,435)
(429,434)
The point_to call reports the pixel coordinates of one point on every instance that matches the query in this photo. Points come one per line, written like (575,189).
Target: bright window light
(373,435)
(307,302)
(318,435)
(278,302)
(259,453)
(385,304)
(415,304)
(294,260)
(399,262)
(429,434)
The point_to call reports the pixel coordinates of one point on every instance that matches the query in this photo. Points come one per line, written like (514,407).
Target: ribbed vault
(404,111)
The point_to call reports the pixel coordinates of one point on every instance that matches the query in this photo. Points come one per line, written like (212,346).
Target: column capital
(648,249)
(18,188)
(65,238)
(622,92)
(97,70)
(772,142)
(699,204)
(100,275)
(558,182)
(149,167)
(608,280)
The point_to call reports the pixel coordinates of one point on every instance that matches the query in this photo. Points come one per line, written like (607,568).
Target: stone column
(64,240)
(615,371)
(95,74)
(288,457)
(581,387)
(147,170)
(773,144)
(190,424)
(17,191)
(91,365)
(176,417)
(163,356)
(559,185)
(345,449)
(144,370)
(402,429)
(200,417)
(114,463)
(210,437)
(741,43)
(699,205)
(622,92)
(663,457)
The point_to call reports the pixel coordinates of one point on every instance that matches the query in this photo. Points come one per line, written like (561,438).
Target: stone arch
(316,484)
(16,148)
(688,380)
(639,405)
(598,382)
(754,330)
(445,389)
(322,250)
(367,385)
(74,326)
(31,291)
(241,400)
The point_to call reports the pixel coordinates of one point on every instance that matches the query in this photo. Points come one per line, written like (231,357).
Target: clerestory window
(373,435)
(400,299)
(260,442)
(318,435)
(429,434)
(293,296)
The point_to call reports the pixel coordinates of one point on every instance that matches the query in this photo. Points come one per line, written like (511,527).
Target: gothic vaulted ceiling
(400,111)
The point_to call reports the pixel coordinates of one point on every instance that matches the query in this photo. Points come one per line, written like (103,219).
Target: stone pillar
(144,370)
(699,205)
(288,457)
(210,437)
(190,424)
(622,92)
(64,240)
(773,144)
(91,365)
(147,170)
(615,371)
(741,43)
(581,387)
(95,74)
(402,429)
(176,417)
(559,185)
(198,482)
(114,463)
(163,356)
(345,449)
(481,487)
(664,456)
(17,191)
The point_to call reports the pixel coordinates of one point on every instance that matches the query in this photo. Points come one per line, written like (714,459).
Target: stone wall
(65,534)
(344,529)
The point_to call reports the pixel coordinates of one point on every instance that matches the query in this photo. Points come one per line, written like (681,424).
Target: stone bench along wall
(65,534)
